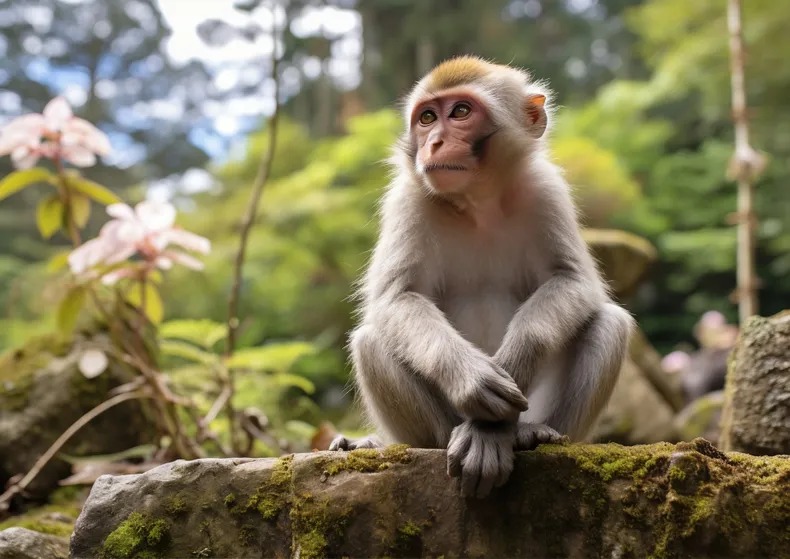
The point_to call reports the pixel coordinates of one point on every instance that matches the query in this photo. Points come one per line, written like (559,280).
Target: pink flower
(675,362)
(148,231)
(55,134)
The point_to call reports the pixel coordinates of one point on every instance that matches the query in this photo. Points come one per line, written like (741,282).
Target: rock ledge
(579,500)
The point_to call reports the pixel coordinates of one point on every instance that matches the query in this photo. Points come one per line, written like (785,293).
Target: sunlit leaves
(92,190)
(80,209)
(49,215)
(147,299)
(188,352)
(19,180)
(69,308)
(205,333)
(273,357)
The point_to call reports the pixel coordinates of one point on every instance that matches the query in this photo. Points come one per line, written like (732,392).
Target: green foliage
(69,309)
(203,332)
(92,190)
(16,181)
(49,215)
(146,298)
(602,186)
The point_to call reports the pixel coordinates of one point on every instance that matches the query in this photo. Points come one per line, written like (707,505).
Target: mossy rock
(661,500)
(756,413)
(624,258)
(42,393)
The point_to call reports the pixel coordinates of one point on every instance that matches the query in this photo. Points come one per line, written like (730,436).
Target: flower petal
(184,259)
(188,240)
(56,114)
(156,216)
(112,277)
(24,157)
(80,131)
(79,155)
(121,211)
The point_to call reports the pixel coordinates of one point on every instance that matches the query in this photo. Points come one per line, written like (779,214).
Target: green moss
(367,460)
(137,537)
(56,519)
(176,505)
(316,523)
(611,461)
(271,496)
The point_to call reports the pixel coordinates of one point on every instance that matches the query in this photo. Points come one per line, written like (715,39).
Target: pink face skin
(448,130)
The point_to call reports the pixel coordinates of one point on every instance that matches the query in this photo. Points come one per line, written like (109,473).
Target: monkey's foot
(342,443)
(530,435)
(481,454)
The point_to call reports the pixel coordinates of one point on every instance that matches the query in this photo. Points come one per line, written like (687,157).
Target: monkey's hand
(486,392)
(530,435)
(343,443)
(481,454)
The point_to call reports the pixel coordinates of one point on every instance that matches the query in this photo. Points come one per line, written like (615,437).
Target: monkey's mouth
(443,167)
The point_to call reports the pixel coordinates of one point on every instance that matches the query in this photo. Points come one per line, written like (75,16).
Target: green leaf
(58,261)
(69,309)
(272,357)
(204,333)
(154,309)
(187,351)
(93,190)
(287,379)
(80,209)
(49,215)
(18,180)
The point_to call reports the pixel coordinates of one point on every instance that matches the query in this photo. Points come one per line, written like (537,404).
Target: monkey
(485,326)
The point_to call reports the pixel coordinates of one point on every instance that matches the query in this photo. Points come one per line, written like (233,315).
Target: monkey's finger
(470,477)
(489,469)
(339,443)
(456,451)
(505,460)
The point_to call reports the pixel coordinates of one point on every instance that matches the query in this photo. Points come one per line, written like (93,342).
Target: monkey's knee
(403,407)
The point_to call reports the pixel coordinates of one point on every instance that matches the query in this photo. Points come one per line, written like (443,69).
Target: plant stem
(262,177)
(65,194)
(264,170)
(744,160)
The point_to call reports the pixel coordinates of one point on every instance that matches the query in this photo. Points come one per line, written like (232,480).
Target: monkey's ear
(535,114)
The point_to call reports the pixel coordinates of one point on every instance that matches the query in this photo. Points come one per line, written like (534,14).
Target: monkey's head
(469,117)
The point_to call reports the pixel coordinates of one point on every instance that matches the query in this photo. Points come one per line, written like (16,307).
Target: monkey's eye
(427,117)
(461,110)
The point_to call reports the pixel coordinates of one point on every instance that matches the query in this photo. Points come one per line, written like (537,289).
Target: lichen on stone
(368,460)
(137,537)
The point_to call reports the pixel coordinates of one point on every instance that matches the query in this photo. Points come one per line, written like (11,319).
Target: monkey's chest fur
(484,280)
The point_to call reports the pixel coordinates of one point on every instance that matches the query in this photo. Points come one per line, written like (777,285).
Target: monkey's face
(450,131)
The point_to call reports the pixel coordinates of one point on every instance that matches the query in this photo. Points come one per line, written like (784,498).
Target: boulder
(624,258)
(701,418)
(42,392)
(636,413)
(756,414)
(21,543)
(662,500)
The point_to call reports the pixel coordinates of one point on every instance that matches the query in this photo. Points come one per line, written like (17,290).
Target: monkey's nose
(436,144)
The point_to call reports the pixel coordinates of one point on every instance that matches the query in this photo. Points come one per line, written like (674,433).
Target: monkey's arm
(413,330)
(558,309)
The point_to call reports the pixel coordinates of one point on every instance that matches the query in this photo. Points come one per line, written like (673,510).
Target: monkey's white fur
(459,323)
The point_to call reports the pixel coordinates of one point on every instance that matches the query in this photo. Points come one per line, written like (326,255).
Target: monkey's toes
(530,435)
(340,443)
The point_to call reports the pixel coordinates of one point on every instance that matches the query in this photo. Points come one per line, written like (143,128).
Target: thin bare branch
(745,167)
(43,460)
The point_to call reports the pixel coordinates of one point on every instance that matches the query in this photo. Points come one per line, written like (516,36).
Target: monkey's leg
(568,397)
(403,407)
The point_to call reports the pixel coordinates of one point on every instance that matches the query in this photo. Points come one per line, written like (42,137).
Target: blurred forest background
(183,90)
